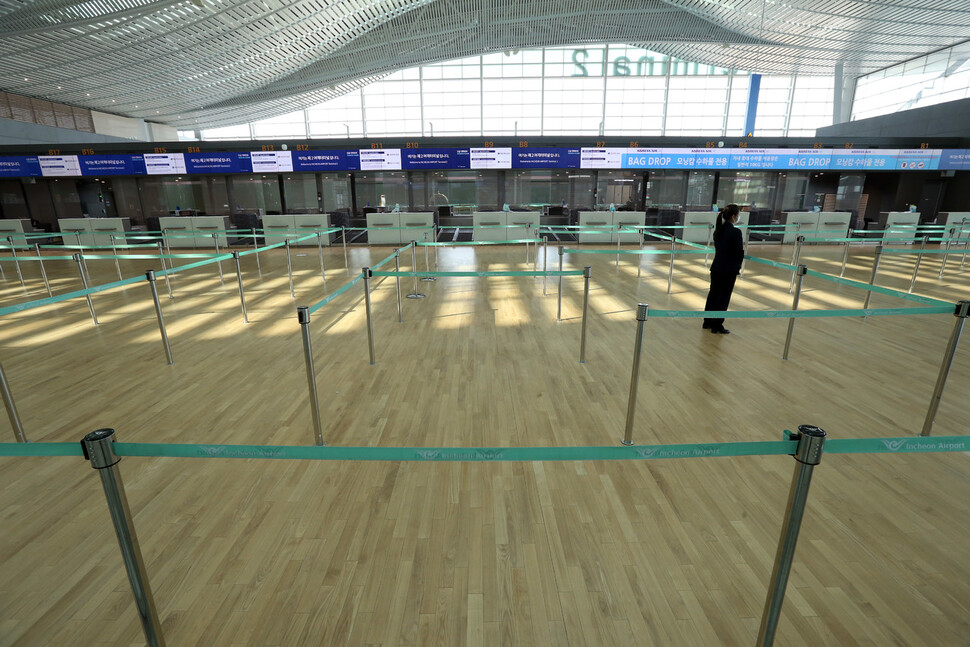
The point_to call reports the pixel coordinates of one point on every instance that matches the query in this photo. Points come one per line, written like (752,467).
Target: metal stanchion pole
(435,229)
(114,250)
(946,253)
(168,245)
(397,281)
(43,272)
(559,306)
(303,315)
(427,264)
(215,243)
(259,268)
(77,234)
(343,238)
(710,238)
(545,262)
(872,279)
(16,261)
(168,283)
(414,268)
(79,259)
(640,256)
(802,269)
(239,280)
(845,257)
(323,271)
(919,259)
(642,312)
(670,272)
(808,454)
(616,265)
(150,275)
(98,449)
(370,323)
(795,258)
(796,249)
(582,339)
(747,241)
(962,312)
(18,427)
(289,268)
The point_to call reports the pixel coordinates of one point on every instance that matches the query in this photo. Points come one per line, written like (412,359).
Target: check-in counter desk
(490,225)
(94,231)
(816,224)
(190,231)
(12,227)
(592,221)
(415,225)
(958,220)
(382,229)
(524,225)
(902,223)
(628,219)
(697,226)
(278,228)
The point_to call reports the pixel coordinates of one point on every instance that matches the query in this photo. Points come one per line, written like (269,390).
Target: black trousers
(719,298)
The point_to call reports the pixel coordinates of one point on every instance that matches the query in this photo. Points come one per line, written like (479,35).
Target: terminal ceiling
(208,63)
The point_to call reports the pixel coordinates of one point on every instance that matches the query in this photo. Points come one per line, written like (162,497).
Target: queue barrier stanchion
(545,262)
(961,313)
(746,242)
(640,258)
(370,323)
(323,271)
(582,339)
(808,454)
(171,263)
(97,447)
(670,272)
(343,239)
(78,235)
(150,275)
(239,280)
(16,261)
(259,268)
(872,279)
(427,264)
(215,243)
(919,258)
(397,281)
(559,306)
(11,406)
(303,316)
(289,268)
(946,253)
(114,251)
(414,268)
(642,312)
(796,255)
(79,259)
(710,239)
(802,270)
(845,257)
(43,272)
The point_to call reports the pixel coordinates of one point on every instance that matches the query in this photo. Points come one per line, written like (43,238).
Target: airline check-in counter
(191,231)
(278,228)
(94,231)
(957,223)
(899,224)
(592,221)
(816,224)
(524,224)
(12,227)
(698,225)
(489,226)
(398,228)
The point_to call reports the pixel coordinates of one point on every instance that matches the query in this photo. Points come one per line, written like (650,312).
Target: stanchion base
(428,278)
(416,295)
(623,442)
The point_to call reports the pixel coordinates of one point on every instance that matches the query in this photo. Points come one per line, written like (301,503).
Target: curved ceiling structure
(207,63)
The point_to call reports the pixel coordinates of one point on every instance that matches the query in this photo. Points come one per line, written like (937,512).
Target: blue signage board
(921,159)
(138,164)
(434,158)
(218,163)
(322,161)
(956,159)
(109,165)
(20,166)
(807,159)
(767,159)
(712,158)
(545,158)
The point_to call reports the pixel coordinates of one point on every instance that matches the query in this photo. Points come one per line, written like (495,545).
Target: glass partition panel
(623,189)
(67,201)
(794,192)
(700,191)
(256,194)
(381,190)
(335,190)
(302,194)
(126,199)
(13,202)
(535,189)
(666,189)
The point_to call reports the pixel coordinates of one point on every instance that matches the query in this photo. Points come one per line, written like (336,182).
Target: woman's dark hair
(723,216)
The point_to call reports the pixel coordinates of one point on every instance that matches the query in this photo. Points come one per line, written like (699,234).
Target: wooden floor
(667,552)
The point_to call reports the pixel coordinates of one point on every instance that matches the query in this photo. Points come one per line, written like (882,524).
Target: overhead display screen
(485,158)
(164,163)
(380,159)
(59,165)
(271,161)
(394,159)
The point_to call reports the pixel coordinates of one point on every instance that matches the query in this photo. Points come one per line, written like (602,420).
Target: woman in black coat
(728,256)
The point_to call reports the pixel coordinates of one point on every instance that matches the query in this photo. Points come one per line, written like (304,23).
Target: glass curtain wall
(536,189)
